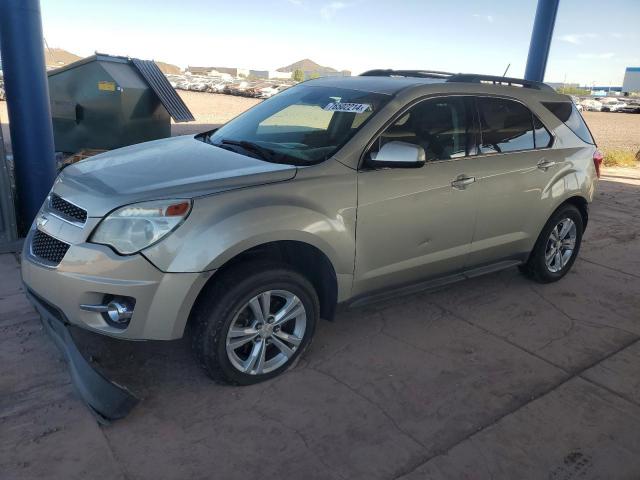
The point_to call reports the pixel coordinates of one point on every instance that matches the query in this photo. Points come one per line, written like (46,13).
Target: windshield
(300,126)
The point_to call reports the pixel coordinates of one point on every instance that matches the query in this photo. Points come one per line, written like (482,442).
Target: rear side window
(568,114)
(506,126)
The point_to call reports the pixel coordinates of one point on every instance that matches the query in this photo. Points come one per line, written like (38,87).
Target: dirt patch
(210,110)
(615,131)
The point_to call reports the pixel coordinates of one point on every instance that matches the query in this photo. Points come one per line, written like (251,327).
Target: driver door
(417,224)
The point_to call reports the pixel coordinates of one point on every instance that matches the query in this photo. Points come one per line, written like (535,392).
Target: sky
(593,40)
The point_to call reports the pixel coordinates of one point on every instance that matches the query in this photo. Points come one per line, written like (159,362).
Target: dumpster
(104,102)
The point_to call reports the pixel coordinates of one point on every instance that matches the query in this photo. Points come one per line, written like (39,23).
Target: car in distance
(630,107)
(591,105)
(336,191)
(612,105)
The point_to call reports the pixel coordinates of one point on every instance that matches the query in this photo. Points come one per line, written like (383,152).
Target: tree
(298,75)
(315,75)
(573,91)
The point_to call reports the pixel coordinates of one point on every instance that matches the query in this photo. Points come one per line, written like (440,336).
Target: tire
(537,267)
(237,298)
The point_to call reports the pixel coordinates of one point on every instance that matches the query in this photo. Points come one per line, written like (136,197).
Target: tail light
(597,161)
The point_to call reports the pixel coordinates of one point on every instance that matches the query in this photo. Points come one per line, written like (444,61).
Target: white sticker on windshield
(347,107)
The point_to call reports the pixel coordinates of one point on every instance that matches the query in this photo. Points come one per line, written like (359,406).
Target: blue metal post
(27,91)
(541,39)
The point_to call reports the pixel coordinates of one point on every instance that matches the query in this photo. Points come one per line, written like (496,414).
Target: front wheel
(254,322)
(557,246)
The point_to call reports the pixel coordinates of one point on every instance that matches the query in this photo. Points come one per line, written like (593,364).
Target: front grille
(68,210)
(48,248)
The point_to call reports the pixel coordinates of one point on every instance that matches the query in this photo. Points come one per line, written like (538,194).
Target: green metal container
(105,102)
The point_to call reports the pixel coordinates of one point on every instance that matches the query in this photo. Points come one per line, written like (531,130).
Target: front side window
(440,126)
(506,126)
(300,126)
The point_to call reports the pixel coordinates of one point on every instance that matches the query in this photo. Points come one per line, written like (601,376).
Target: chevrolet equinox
(335,191)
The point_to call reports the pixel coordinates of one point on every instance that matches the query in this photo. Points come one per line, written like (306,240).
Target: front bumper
(107,400)
(88,272)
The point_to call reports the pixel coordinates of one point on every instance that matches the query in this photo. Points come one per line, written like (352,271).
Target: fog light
(116,311)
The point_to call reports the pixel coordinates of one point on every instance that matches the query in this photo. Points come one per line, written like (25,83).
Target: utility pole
(27,92)
(541,39)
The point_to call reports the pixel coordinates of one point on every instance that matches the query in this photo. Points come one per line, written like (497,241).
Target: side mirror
(398,155)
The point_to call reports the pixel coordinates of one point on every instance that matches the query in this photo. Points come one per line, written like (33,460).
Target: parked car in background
(341,190)
(174,79)
(591,105)
(182,85)
(198,86)
(217,87)
(630,107)
(236,88)
(269,92)
(612,105)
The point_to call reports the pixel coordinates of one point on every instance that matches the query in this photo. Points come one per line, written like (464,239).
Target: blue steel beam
(27,92)
(541,39)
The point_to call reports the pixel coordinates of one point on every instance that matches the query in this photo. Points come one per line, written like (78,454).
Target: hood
(180,167)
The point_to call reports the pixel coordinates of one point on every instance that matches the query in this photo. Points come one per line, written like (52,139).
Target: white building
(631,82)
(270,74)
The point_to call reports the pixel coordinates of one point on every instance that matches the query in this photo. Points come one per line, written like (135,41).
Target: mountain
(167,67)
(309,66)
(57,57)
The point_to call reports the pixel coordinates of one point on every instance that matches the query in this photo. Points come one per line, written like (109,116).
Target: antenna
(506,70)
(50,52)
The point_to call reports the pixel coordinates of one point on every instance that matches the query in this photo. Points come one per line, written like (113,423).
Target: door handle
(545,164)
(462,181)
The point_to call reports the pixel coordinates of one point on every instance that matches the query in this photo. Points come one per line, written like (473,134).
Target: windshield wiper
(262,152)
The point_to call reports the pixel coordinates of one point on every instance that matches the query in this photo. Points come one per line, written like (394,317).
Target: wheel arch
(581,204)
(307,259)
(577,201)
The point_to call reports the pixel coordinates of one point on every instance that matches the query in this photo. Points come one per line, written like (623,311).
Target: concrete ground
(496,377)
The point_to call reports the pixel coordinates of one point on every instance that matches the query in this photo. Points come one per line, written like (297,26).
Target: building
(631,82)
(269,74)
(199,70)
(234,72)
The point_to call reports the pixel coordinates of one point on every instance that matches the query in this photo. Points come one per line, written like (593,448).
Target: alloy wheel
(560,245)
(266,332)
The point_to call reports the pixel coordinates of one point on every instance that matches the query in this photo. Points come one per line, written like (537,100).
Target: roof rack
(406,73)
(459,77)
(495,80)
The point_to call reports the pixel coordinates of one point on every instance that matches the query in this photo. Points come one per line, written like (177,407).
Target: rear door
(514,165)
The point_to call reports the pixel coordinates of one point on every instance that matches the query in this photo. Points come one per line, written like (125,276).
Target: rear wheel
(254,322)
(557,246)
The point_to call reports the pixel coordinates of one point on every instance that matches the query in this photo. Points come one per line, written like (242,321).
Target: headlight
(134,227)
